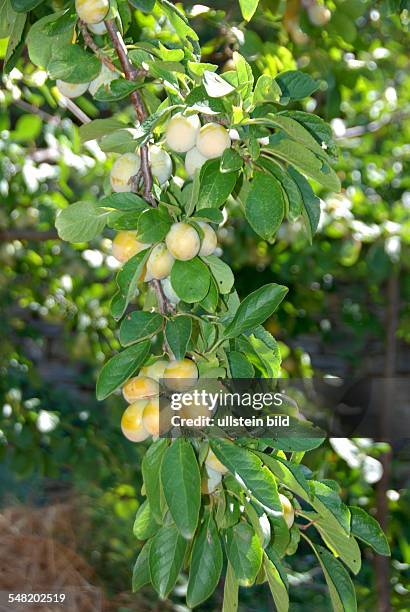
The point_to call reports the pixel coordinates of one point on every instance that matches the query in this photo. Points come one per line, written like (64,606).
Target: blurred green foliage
(56,328)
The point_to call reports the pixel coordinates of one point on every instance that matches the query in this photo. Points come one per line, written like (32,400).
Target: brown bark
(27,234)
(132,74)
(382,564)
(89,41)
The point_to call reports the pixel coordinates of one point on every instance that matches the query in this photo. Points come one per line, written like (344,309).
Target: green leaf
(340,543)
(125,202)
(124,140)
(179,21)
(178,333)
(266,90)
(15,33)
(264,205)
(289,474)
(166,557)
(231,161)
(249,471)
(74,65)
(81,222)
(166,71)
(124,221)
(199,101)
(215,85)
(197,69)
(145,526)
(259,521)
(296,85)
(254,148)
(342,593)
(116,90)
(98,128)
(170,55)
(212,215)
(181,481)
(127,280)
(231,589)
(64,23)
(239,366)
(139,325)
(244,75)
(294,540)
(140,574)
(255,309)
(323,499)
(146,6)
(319,129)
(280,535)
(40,46)
(244,552)
(276,582)
(24,6)
(248,8)
(210,301)
(299,441)
(120,368)
(215,186)
(153,225)
(7,16)
(28,127)
(297,132)
(328,503)
(367,529)
(307,162)
(221,272)
(190,280)
(268,353)
(311,203)
(151,469)
(206,564)
(290,189)
(190,194)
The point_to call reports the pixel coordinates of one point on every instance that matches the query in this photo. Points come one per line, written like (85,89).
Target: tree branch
(74,109)
(132,74)
(34,110)
(27,234)
(89,41)
(374,126)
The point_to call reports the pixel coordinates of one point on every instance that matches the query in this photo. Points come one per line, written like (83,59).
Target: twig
(89,41)
(34,110)
(307,525)
(132,74)
(165,305)
(22,234)
(374,126)
(74,109)
(382,566)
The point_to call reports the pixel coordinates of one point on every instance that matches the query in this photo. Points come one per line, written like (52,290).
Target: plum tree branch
(89,41)
(74,109)
(132,74)
(34,110)
(375,126)
(27,234)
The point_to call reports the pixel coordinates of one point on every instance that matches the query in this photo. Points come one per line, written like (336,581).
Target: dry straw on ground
(37,554)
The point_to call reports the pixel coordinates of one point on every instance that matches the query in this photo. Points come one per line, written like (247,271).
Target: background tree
(204,24)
